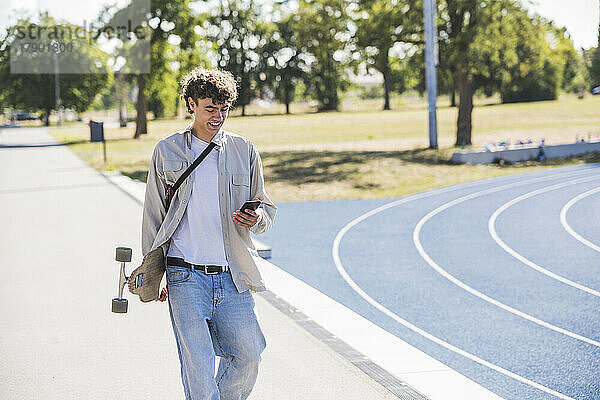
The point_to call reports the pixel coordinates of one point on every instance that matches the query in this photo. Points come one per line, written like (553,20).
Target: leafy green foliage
(323,36)
(593,64)
(564,53)
(237,34)
(169,22)
(36,91)
(495,46)
(538,60)
(380,24)
(163,89)
(280,61)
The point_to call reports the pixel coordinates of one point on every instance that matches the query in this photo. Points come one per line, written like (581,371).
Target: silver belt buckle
(212,273)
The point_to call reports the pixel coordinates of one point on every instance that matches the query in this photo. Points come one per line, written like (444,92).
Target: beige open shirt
(240,179)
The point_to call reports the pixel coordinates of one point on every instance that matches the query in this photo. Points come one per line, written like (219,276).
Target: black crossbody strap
(191,168)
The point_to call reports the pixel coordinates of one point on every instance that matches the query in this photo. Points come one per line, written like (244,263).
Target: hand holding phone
(250,205)
(246,216)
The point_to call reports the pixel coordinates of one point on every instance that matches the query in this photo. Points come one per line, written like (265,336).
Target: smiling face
(208,117)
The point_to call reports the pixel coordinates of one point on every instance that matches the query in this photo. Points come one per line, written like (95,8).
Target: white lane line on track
(414,328)
(521,258)
(475,292)
(565,224)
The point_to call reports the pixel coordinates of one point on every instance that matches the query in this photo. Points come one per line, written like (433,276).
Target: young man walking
(210,259)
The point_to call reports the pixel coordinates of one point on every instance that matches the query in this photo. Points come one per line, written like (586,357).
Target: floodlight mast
(430,65)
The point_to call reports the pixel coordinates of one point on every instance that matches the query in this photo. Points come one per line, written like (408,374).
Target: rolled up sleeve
(266,212)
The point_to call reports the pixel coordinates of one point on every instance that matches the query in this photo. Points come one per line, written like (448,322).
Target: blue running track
(488,268)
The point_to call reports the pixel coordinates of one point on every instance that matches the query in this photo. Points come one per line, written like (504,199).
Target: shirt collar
(217,139)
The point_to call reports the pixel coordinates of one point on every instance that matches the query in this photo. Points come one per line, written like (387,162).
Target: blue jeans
(210,318)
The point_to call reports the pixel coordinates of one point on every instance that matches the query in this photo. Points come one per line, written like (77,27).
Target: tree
(281,61)
(565,54)
(408,70)
(172,20)
(237,33)
(163,90)
(532,69)
(594,70)
(34,90)
(594,64)
(461,24)
(187,59)
(323,36)
(380,24)
(493,45)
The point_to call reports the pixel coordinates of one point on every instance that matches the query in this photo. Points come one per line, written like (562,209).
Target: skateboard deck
(145,279)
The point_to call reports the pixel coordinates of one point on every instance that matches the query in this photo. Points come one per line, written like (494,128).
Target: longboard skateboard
(144,281)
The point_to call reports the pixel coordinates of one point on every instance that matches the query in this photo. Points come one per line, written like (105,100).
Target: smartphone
(250,205)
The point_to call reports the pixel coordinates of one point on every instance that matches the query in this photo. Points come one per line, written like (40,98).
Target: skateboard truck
(119,304)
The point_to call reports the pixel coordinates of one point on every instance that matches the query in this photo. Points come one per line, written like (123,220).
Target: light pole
(430,73)
(57,88)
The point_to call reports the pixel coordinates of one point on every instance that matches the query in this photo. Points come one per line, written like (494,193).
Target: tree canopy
(34,89)
(277,49)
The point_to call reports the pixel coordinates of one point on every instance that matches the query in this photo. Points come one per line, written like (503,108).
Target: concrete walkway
(58,338)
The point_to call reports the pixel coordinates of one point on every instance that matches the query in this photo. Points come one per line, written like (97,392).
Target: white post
(57,88)
(430,71)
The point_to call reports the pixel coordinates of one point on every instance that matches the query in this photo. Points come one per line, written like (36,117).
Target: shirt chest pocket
(239,188)
(173,169)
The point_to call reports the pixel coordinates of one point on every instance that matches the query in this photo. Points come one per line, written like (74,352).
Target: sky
(580,17)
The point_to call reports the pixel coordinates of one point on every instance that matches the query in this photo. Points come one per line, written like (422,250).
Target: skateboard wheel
(123,254)
(119,306)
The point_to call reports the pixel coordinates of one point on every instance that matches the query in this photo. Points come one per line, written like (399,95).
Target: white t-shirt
(199,237)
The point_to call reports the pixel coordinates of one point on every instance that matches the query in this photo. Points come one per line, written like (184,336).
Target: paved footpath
(58,339)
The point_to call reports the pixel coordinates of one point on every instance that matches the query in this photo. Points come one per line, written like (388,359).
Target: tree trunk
(453,96)
(177,103)
(286,93)
(141,124)
(328,104)
(122,118)
(122,93)
(386,91)
(335,101)
(243,110)
(386,72)
(330,100)
(465,107)
(47,117)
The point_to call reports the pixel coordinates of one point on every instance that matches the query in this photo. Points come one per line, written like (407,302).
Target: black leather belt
(207,269)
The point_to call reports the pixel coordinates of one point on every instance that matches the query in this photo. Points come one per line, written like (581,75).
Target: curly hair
(203,83)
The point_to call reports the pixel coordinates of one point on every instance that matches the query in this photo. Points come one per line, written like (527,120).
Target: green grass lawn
(363,152)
